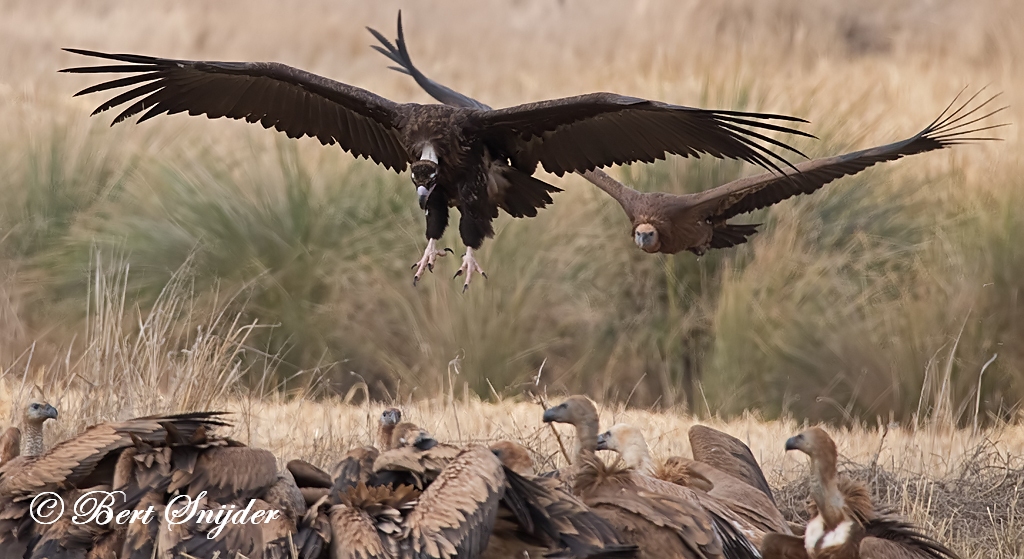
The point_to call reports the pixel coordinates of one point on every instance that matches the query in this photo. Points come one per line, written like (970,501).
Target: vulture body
(746,508)
(476,159)
(672,223)
(845,524)
(662,519)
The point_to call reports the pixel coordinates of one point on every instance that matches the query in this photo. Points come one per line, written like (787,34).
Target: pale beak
(424,193)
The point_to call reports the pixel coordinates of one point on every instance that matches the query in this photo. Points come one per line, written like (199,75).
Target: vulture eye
(35,406)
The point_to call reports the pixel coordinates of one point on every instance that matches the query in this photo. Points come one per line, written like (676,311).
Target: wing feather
(456,513)
(753,193)
(293,101)
(560,133)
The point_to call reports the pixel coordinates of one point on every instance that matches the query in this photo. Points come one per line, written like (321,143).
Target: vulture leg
(429,257)
(469,265)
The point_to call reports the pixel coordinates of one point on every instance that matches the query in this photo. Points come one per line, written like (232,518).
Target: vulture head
(388,419)
(813,442)
(36,413)
(646,237)
(514,457)
(424,174)
(581,413)
(629,442)
(575,410)
(391,416)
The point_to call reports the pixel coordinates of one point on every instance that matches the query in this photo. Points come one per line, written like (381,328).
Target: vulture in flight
(845,524)
(474,158)
(671,223)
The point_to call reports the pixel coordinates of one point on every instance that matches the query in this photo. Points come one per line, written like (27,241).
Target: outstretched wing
(292,101)
(581,133)
(71,461)
(952,127)
(400,55)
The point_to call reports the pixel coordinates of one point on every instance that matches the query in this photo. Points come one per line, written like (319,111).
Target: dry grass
(844,307)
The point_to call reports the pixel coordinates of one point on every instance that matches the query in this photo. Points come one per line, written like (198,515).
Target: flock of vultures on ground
(412,496)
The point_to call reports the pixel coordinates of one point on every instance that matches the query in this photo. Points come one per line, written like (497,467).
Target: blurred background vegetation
(891,294)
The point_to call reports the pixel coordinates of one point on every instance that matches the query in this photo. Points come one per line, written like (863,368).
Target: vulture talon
(430,255)
(469,266)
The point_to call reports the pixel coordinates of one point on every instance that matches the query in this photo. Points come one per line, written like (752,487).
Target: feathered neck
(825,490)
(384,431)
(32,438)
(586,436)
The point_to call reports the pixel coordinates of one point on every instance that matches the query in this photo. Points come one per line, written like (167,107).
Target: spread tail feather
(523,194)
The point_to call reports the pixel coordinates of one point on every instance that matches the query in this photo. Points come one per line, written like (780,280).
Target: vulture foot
(469,265)
(427,262)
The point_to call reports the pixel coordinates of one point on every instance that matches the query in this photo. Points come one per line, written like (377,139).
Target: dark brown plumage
(846,525)
(671,223)
(475,159)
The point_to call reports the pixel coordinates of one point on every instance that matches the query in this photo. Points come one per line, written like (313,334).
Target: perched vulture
(386,426)
(27,441)
(671,223)
(663,519)
(474,158)
(846,525)
(748,510)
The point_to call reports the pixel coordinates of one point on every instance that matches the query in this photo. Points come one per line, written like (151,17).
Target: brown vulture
(751,511)
(661,518)
(671,223)
(845,524)
(471,157)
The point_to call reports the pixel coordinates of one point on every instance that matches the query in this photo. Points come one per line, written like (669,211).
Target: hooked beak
(793,443)
(602,441)
(551,415)
(51,412)
(424,193)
